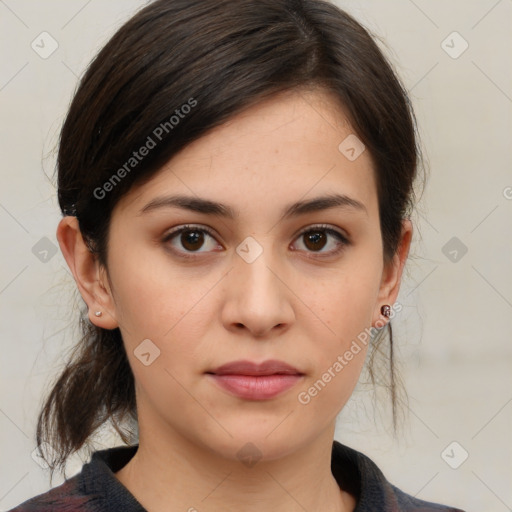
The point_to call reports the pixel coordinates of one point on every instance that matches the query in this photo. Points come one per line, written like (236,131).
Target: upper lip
(244,367)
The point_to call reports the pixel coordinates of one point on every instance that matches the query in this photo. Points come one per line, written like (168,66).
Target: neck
(180,475)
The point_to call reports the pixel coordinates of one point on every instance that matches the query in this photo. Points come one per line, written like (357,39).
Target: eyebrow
(208,207)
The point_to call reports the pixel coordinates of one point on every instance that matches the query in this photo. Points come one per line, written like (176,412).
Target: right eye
(191,239)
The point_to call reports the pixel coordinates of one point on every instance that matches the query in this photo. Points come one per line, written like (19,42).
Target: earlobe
(86,270)
(392,273)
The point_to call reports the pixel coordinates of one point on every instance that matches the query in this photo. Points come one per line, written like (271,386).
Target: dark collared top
(96,489)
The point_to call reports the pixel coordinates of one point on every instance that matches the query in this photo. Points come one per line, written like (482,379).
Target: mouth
(253,381)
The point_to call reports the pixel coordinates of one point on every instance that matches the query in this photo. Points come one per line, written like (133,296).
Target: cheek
(344,301)
(344,306)
(330,388)
(340,348)
(157,302)
(153,297)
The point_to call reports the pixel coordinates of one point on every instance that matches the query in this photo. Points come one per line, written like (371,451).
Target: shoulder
(66,497)
(358,474)
(406,502)
(94,489)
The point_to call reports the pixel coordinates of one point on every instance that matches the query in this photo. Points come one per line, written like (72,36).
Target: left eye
(317,237)
(314,239)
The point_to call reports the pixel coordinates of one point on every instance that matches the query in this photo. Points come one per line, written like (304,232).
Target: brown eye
(315,239)
(190,239)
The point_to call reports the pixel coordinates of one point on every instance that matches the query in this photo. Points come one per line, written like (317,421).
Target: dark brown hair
(219,57)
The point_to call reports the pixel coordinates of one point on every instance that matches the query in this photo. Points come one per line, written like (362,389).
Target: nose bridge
(256,296)
(253,265)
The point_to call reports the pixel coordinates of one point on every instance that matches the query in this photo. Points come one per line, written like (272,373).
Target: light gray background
(454,331)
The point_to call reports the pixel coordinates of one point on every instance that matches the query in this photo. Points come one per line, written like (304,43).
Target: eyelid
(325,227)
(202,227)
(343,238)
(189,227)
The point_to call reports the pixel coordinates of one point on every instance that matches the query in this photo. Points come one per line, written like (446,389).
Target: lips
(269,367)
(253,381)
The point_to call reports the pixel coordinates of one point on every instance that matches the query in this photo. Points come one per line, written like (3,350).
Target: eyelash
(344,241)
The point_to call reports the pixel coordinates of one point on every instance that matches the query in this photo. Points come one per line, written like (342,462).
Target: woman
(235,179)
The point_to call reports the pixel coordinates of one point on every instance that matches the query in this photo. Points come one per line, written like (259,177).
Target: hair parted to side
(219,57)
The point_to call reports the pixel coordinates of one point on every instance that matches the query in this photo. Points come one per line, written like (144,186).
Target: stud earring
(98,313)
(386,310)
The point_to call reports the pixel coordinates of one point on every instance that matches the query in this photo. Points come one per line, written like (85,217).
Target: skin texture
(294,303)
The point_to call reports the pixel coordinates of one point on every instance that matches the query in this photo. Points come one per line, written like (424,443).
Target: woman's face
(245,282)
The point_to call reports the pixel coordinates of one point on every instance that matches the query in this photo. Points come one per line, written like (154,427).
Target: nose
(257,296)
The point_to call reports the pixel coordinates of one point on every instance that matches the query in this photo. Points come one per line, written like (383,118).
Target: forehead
(286,148)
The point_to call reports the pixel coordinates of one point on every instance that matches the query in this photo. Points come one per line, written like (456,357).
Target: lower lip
(252,387)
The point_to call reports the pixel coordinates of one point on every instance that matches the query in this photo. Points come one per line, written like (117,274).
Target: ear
(90,276)
(392,273)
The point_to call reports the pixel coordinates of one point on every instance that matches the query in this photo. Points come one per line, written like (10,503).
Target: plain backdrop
(454,331)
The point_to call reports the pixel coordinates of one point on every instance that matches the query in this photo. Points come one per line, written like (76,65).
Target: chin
(251,444)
